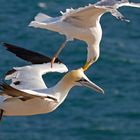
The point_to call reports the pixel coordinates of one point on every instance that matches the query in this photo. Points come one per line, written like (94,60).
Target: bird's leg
(58,52)
(1,114)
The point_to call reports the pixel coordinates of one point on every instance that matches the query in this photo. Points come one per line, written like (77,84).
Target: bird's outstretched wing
(30,77)
(24,96)
(31,56)
(116,3)
(83,17)
(27,77)
(87,16)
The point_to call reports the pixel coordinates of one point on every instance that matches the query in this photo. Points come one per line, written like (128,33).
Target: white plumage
(83,24)
(20,102)
(28,75)
(28,94)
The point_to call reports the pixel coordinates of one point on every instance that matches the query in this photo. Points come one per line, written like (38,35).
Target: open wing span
(30,76)
(87,16)
(24,96)
(31,56)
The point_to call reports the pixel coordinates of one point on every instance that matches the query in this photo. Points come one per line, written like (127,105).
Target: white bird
(83,24)
(33,97)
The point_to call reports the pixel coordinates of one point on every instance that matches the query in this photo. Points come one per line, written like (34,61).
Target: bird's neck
(94,42)
(62,88)
(93,51)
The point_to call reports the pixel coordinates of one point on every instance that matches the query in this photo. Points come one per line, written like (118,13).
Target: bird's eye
(82,80)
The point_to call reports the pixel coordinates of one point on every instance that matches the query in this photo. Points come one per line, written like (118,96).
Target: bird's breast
(74,32)
(30,107)
(96,33)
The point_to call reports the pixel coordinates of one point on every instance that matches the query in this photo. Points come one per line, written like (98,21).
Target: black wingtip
(5,44)
(31,56)
(1,114)
(10,72)
(2,42)
(11,48)
(8,46)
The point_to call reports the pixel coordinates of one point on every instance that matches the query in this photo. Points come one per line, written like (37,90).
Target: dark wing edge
(30,56)
(10,72)
(6,89)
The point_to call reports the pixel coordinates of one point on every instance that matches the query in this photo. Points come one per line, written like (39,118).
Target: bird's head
(77,77)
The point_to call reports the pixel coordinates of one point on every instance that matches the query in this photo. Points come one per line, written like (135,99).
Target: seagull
(28,94)
(82,24)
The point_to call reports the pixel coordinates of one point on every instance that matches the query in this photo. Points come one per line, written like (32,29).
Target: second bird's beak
(87,83)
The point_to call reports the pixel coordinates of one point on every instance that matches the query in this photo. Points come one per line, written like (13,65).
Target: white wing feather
(41,17)
(30,77)
(77,17)
(84,17)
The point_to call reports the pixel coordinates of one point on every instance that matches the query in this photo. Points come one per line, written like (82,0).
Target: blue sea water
(85,115)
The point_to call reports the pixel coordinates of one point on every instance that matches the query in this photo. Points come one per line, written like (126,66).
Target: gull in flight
(28,94)
(82,24)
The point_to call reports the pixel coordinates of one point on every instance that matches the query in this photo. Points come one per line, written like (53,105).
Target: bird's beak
(87,83)
(87,65)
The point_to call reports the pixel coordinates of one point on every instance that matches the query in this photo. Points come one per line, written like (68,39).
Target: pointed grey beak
(87,83)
